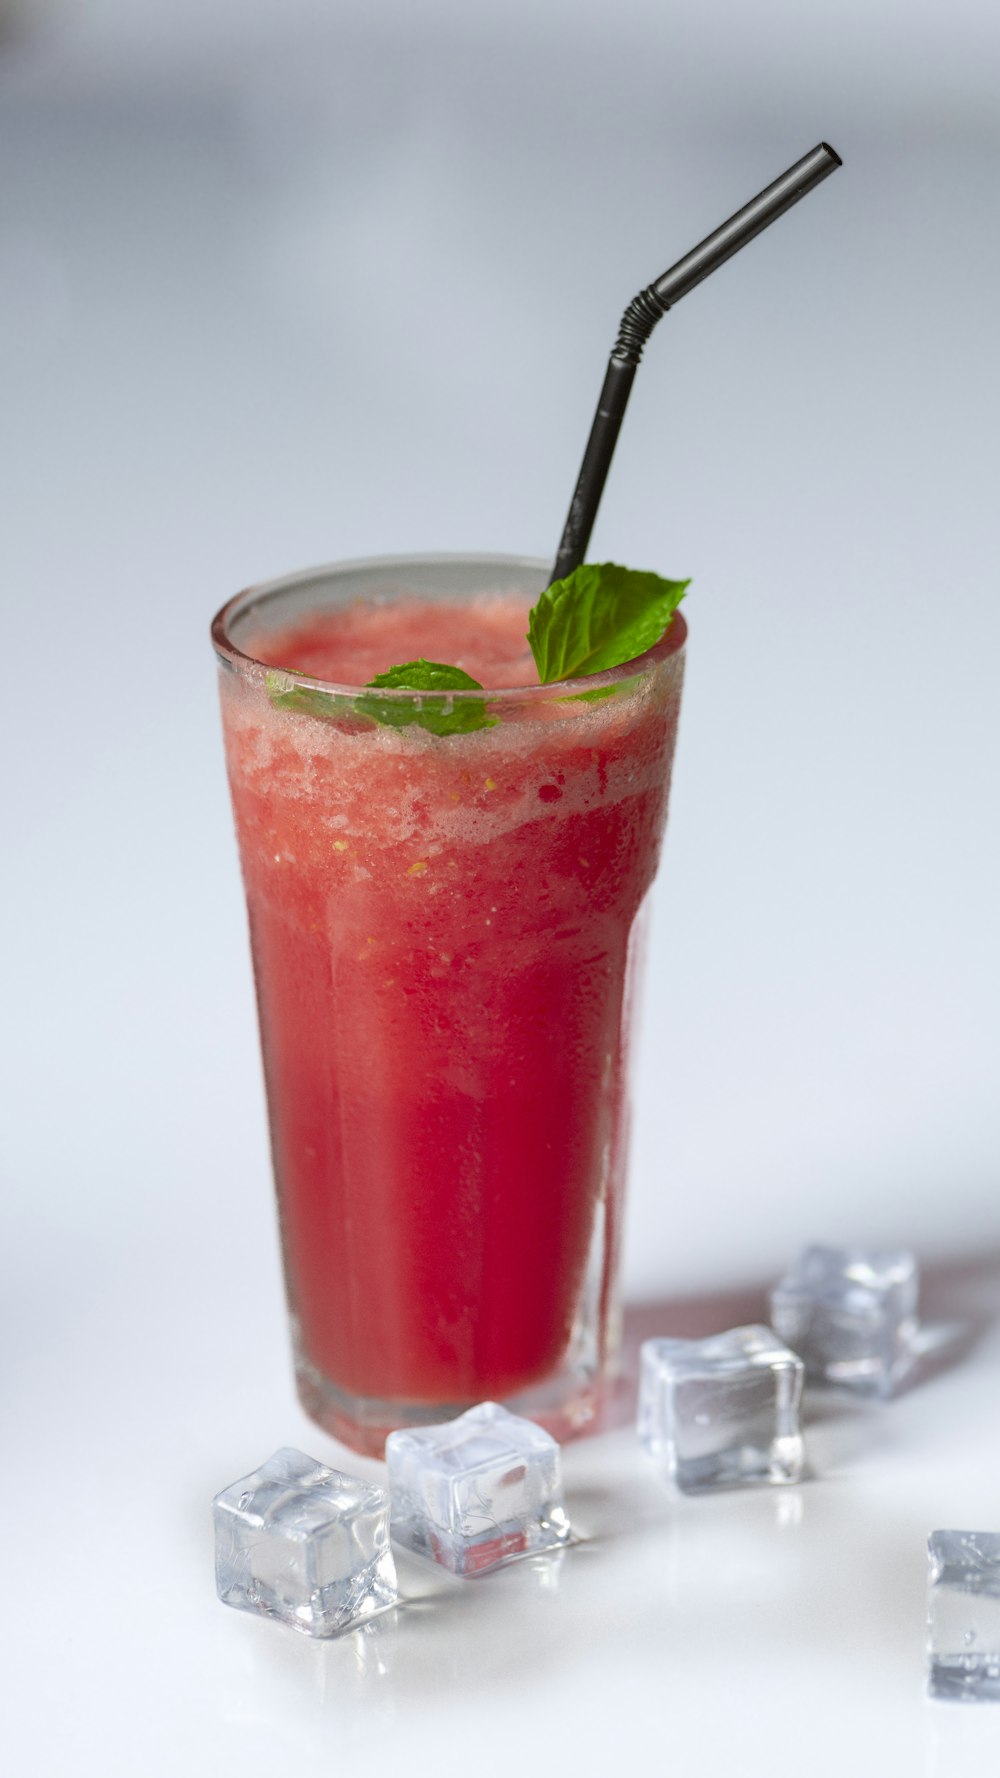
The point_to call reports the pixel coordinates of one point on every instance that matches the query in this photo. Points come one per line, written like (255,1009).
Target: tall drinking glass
(444,931)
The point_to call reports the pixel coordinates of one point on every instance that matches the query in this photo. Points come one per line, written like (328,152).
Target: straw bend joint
(637,323)
(641,316)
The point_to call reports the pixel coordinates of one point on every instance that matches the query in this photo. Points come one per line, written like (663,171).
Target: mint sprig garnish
(599,617)
(438,713)
(435,710)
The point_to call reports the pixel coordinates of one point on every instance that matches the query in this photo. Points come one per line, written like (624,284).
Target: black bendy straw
(638,321)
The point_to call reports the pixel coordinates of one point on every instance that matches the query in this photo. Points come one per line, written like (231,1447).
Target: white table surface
(749,1631)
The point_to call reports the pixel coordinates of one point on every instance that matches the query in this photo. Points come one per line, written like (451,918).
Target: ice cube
(476,1491)
(724,1411)
(963,1617)
(301,1542)
(850,1314)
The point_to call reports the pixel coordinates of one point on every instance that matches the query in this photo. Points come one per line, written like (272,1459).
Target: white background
(282,282)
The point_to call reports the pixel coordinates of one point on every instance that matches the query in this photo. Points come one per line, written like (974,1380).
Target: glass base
(564,1405)
(565,1402)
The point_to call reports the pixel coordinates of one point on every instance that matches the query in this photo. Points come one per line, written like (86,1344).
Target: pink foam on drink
(487,640)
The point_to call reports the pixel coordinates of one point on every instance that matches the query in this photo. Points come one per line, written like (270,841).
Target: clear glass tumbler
(444,932)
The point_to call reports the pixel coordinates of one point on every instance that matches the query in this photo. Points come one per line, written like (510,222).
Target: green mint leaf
(425,676)
(602,691)
(433,712)
(599,617)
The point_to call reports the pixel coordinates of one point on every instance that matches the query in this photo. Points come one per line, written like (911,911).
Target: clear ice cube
(477,1491)
(850,1314)
(301,1542)
(963,1617)
(724,1411)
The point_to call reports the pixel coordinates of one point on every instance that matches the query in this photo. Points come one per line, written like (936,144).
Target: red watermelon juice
(443,936)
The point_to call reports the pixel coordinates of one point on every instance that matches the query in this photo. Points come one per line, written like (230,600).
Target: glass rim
(249,667)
